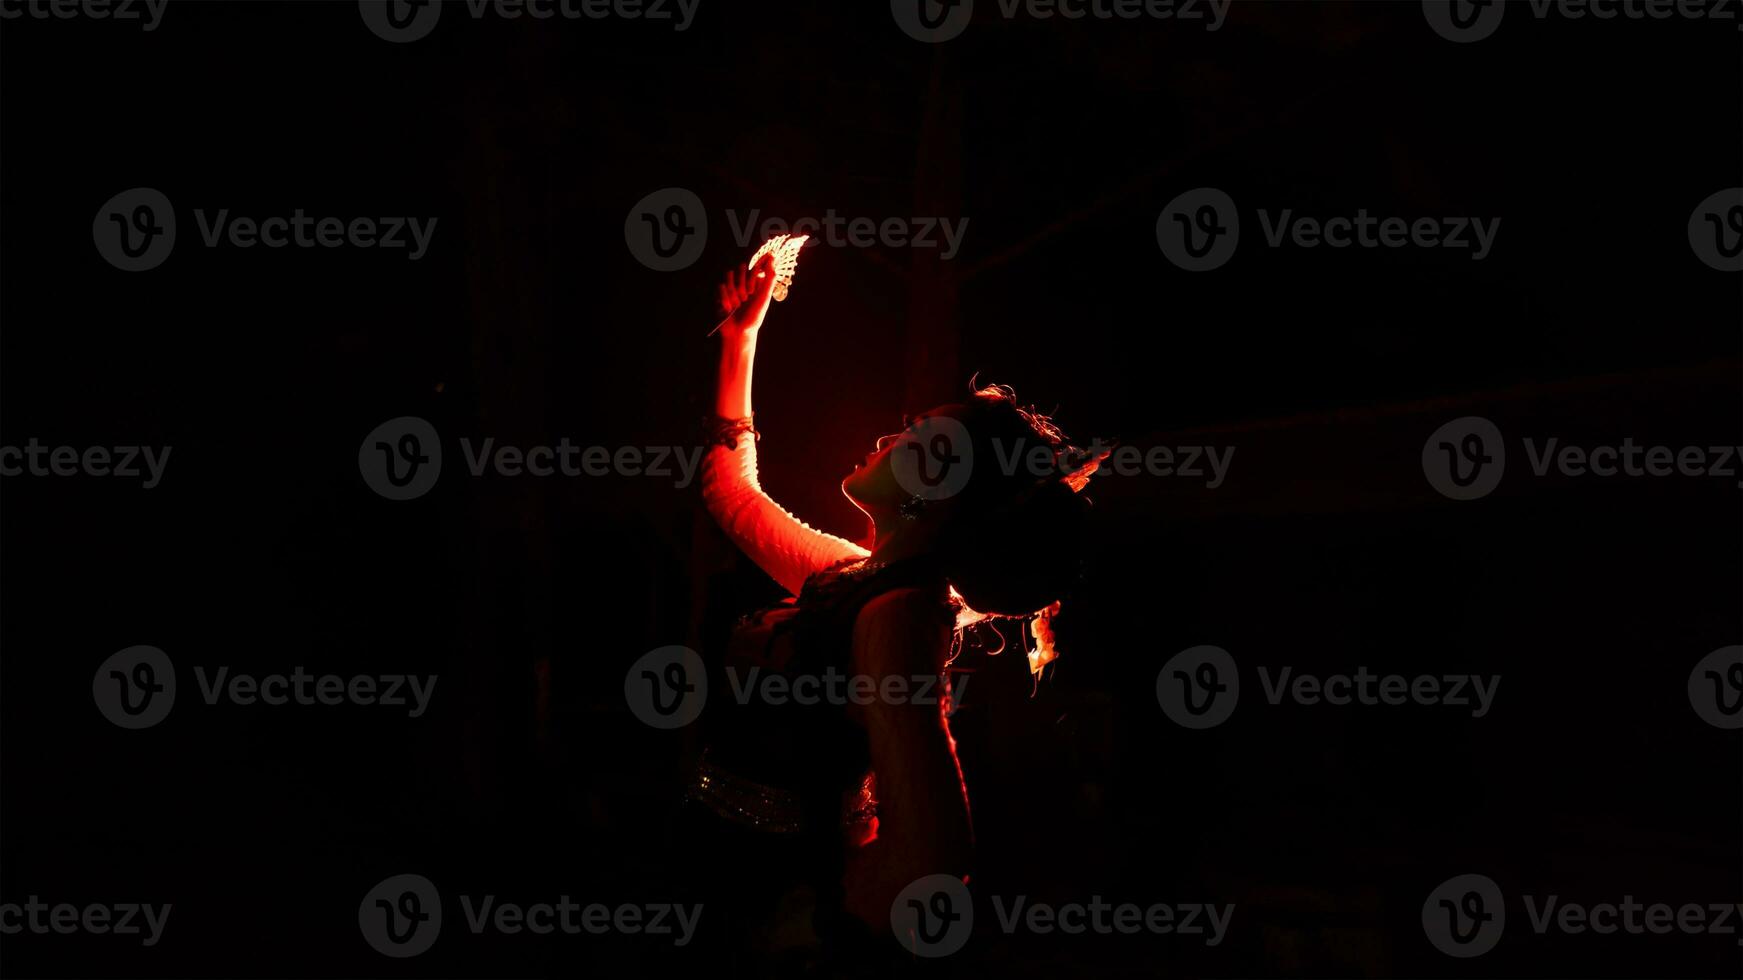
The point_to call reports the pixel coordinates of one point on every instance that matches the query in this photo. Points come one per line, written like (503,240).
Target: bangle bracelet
(725,432)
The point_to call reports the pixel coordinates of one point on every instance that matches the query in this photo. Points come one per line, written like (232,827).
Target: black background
(530,321)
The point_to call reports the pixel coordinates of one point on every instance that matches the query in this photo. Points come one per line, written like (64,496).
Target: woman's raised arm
(785,547)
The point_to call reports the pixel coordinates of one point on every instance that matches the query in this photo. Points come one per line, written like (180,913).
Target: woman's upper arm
(903,631)
(922,804)
(788,549)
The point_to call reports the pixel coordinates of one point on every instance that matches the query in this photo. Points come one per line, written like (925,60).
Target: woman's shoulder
(903,630)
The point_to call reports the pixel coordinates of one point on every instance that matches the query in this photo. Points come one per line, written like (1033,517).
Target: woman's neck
(900,540)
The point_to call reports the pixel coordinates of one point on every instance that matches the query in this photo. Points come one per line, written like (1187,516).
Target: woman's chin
(850,487)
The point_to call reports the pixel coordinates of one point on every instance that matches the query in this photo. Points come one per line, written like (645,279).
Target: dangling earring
(912,508)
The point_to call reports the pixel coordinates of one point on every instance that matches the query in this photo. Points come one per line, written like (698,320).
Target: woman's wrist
(737,361)
(739,335)
(728,431)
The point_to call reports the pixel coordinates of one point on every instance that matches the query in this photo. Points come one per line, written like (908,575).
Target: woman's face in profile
(872,486)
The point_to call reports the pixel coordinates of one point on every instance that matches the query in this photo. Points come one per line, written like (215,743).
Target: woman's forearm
(781,545)
(738,354)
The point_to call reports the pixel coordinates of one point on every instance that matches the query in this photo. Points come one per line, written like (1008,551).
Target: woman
(838,806)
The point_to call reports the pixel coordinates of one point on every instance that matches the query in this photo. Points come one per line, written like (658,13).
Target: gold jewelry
(725,431)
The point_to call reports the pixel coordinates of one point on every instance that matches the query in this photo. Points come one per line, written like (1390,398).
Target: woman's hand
(745,297)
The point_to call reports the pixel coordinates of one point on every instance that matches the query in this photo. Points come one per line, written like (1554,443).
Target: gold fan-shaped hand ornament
(785,249)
